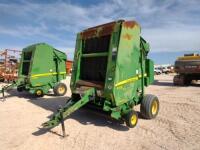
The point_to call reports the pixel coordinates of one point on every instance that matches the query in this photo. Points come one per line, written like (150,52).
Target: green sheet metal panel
(76,63)
(127,64)
(31,49)
(112,57)
(46,65)
(60,64)
(42,65)
(150,72)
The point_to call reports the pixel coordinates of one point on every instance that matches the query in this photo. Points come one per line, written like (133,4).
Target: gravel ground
(177,125)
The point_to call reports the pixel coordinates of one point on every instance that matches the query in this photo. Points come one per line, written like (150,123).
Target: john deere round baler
(42,68)
(110,71)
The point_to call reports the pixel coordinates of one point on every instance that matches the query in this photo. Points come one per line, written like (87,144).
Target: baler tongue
(6,88)
(70,107)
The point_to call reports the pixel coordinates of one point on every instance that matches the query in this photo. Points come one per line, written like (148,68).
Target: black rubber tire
(128,119)
(39,93)
(147,106)
(176,80)
(57,90)
(188,82)
(181,80)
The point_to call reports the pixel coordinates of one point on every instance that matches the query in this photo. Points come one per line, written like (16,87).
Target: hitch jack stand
(3,95)
(63,125)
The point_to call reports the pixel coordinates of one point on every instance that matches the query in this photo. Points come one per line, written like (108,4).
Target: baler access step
(70,107)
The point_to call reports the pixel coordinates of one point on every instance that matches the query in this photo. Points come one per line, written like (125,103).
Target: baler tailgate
(70,107)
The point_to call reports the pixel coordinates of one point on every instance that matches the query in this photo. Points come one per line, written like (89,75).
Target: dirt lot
(176,127)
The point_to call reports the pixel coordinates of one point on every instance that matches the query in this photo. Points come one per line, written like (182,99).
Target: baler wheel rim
(149,107)
(131,119)
(154,107)
(39,93)
(61,89)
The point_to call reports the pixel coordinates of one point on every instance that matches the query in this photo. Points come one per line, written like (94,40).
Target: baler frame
(86,81)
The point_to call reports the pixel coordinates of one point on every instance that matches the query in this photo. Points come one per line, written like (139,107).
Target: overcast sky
(168,25)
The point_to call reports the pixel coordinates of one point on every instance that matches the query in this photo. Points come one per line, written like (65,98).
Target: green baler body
(113,59)
(110,70)
(41,67)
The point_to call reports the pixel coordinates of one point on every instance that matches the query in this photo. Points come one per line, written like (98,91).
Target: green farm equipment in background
(110,71)
(42,68)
